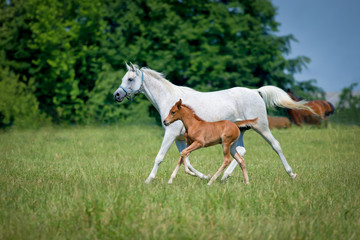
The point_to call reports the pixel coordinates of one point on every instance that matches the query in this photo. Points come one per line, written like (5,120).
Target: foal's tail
(274,96)
(246,123)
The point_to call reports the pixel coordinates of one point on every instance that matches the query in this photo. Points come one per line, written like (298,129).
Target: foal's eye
(172,113)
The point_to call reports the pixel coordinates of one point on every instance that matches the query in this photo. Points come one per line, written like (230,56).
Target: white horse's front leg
(181,145)
(169,138)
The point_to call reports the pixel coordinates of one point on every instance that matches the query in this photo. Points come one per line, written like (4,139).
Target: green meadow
(88,183)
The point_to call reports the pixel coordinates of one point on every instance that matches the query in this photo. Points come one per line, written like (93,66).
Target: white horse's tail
(274,96)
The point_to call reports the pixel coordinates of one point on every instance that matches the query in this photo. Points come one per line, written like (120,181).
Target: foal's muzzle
(119,95)
(166,123)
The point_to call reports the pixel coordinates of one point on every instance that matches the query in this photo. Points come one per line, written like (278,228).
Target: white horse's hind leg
(181,145)
(169,138)
(264,131)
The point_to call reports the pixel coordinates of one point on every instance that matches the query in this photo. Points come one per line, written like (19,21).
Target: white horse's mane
(161,77)
(153,73)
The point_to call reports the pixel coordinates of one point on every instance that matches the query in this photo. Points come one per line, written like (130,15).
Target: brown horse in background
(278,122)
(323,108)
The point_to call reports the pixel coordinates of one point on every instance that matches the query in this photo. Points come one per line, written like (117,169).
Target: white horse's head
(131,84)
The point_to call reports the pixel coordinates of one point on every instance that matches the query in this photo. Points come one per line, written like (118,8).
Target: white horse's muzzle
(119,95)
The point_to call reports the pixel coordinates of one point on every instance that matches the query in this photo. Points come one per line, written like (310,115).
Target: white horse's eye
(130,79)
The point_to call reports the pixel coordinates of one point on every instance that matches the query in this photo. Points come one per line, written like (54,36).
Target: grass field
(88,183)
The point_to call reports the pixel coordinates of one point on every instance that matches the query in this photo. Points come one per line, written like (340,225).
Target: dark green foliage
(18,104)
(308,90)
(348,100)
(74,51)
(348,108)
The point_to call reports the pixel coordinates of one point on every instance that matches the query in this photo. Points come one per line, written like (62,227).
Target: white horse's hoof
(148,180)
(293,175)
(226,176)
(206,177)
(170,181)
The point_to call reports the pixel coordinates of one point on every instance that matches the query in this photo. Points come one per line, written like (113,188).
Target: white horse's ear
(133,67)
(128,67)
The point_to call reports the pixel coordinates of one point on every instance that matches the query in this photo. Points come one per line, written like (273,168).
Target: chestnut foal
(200,133)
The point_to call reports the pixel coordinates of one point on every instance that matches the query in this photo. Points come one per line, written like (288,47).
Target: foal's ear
(178,104)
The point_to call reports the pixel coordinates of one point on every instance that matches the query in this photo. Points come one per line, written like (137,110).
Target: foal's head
(174,114)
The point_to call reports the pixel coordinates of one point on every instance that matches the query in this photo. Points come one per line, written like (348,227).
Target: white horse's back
(226,104)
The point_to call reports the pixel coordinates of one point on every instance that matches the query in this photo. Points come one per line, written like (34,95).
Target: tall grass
(88,183)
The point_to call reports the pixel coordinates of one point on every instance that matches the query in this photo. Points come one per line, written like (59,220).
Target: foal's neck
(189,117)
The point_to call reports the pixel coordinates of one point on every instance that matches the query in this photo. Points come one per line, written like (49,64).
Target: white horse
(233,104)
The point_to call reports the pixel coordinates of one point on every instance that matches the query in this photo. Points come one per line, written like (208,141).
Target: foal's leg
(173,175)
(186,152)
(241,150)
(240,161)
(227,159)
(181,145)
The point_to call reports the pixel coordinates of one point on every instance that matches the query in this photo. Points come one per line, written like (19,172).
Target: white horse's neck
(159,92)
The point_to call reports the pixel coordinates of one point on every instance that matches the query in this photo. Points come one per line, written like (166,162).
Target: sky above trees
(328,33)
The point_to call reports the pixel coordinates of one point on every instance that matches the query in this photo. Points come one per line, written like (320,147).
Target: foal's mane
(192,110)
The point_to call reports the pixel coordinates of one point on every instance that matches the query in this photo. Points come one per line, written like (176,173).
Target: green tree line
(61,60)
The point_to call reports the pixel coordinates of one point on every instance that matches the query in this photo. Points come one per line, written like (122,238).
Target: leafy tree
(59,42)
(18,104)
(72,52)
(308,90)
(348,108)
(204,44)
(348,100)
